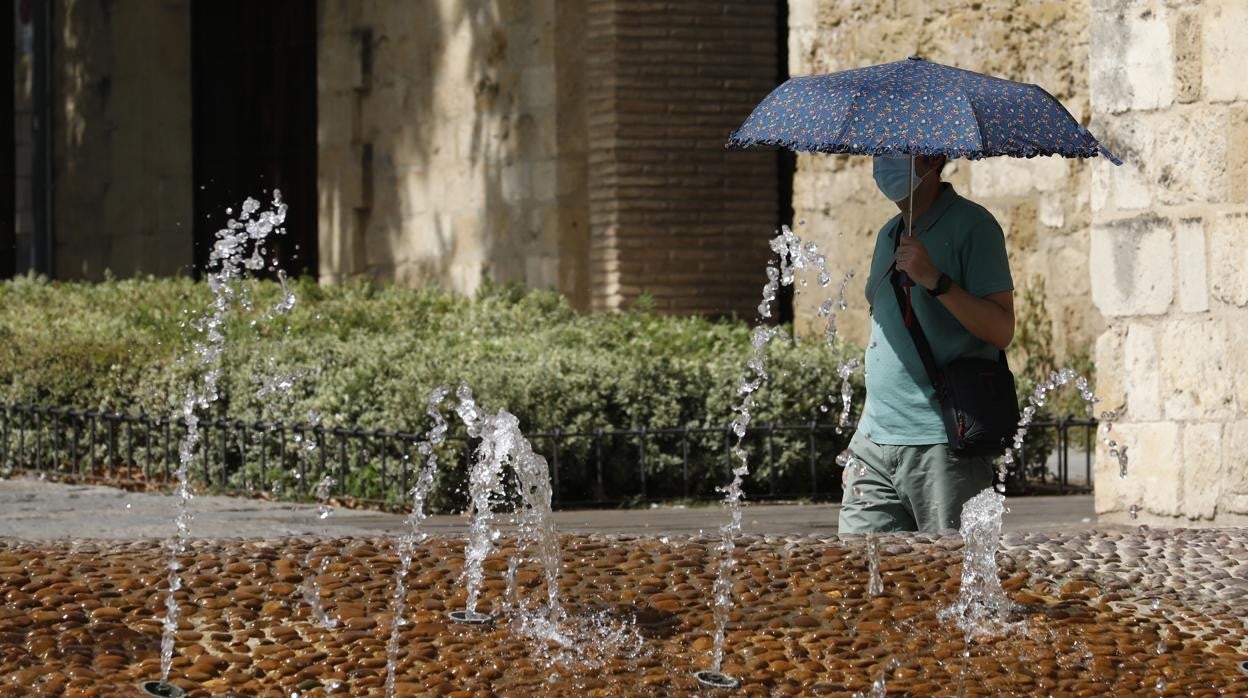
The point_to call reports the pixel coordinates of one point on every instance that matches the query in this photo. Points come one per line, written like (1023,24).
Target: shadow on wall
(438,145)
(121,138)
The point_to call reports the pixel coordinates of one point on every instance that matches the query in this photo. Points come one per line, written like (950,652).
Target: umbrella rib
(853,107)
(979,128)
(1099,147)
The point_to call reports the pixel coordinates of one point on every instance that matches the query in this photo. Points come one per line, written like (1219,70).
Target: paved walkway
(35,510)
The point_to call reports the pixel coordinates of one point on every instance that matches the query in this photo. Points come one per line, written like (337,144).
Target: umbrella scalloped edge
(739,142)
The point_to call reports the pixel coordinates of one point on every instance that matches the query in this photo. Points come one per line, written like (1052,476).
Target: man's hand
(912,258)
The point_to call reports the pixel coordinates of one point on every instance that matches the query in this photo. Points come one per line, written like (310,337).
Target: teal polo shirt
(964,241)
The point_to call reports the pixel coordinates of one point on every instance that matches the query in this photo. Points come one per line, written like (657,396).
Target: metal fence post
(554,467)
(4,438)
(600,492)
(129,422)
(38,440)
(771,463)
(814,476)
(641,469)
(684,456)
(111,422)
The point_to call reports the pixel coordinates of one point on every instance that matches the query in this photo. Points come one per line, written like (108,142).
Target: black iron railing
(598,466)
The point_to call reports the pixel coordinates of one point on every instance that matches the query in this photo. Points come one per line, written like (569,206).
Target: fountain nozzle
(161,689)
(470,617)
(714,679)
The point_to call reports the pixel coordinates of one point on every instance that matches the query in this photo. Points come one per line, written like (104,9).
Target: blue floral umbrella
(915,107)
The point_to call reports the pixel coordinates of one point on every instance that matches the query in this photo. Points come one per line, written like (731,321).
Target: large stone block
(1237,155)
(1196,380)
(1006,177)
(1187,56)
(1202,469)
(1111,386)
(1187,162)
(1132,266)
(1153,481)
(1224,50)
(1228,256)
(1143,380)
(1237,357)
(1189,243)
(1235,466)
(1169,158)
(1131,60)
(1122,187)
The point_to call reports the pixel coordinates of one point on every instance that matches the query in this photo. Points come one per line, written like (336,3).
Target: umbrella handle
(906,281)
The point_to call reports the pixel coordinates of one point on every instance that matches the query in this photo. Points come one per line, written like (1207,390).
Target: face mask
(892,176)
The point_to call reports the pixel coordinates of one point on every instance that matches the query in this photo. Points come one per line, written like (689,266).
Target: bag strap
(911,320)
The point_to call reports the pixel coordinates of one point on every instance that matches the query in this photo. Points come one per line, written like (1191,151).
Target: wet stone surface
(1122,613)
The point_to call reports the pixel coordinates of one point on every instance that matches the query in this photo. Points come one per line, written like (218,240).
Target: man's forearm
(984,318)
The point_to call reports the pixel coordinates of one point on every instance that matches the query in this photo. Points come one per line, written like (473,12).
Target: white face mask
(893,176)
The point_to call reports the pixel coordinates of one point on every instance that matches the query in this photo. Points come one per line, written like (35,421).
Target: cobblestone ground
(1138,612)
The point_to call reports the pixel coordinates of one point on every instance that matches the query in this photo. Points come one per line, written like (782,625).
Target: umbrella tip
(915,57)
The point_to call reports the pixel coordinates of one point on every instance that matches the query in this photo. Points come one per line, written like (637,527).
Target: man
(963,299)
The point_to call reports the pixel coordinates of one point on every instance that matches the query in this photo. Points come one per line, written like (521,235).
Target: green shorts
(909,488)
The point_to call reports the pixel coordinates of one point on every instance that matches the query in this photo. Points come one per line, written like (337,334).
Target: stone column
(673,214)
(1169,264)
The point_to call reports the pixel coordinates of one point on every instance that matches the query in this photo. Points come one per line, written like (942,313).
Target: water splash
(324,489)
(502,444)
(854,471)
(582,642)
(312,585)
(227,263)
(1038,399)
(412,534)
(982,604)
(828,309)
(845,370)
(535,519)
(485,490)
(875,585)
(312,592)
(793,257)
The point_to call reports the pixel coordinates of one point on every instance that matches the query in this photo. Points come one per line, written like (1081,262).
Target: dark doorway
(8,148)
(253,91)
(786,161)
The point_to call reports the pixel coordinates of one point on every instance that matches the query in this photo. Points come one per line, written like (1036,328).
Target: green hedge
(372,353)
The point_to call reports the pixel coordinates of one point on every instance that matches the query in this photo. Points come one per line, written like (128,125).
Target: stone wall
(1168,257)
(675,215)
(1043,203)
(452,143)
(121,137)
(460,141)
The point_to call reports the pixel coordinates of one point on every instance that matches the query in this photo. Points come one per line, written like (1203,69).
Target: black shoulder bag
(978,399)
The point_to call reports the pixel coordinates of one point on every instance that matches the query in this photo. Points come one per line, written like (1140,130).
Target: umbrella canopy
(915,107)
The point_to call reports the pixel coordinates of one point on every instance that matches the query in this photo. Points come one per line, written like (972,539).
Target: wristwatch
(942,285)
